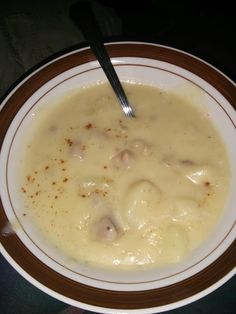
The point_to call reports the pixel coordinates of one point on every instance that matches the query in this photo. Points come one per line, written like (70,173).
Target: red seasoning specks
(88,126)
(30,179)
(69,141)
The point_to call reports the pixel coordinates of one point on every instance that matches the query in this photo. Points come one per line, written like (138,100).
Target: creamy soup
(123,192)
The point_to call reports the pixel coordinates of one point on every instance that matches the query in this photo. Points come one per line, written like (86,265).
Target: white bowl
(212,264)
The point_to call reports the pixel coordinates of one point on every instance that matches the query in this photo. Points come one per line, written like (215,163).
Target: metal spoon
(81,13)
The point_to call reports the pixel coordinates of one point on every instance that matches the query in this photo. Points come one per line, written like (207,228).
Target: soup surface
(124,192)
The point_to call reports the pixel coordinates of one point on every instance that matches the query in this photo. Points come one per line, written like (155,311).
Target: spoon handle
(82,14)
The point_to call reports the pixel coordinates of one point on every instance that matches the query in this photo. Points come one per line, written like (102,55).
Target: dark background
(205,29)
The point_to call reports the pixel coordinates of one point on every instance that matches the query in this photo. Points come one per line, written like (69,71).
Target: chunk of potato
(175,243)
(141,203)
(185,209)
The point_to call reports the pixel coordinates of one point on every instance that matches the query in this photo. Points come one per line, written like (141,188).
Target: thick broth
(121,192)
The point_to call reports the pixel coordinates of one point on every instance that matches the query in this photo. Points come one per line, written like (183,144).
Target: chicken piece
(141,147)
(76,149)
(105,230)
(195,172)
(202,174)
(123,160)
(176,163)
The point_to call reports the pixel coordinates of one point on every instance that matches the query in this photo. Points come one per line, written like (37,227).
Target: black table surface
(206,31)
